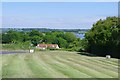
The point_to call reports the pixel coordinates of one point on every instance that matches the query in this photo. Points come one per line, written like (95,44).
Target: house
(45,46)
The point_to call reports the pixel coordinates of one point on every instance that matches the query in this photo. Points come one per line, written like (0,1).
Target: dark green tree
(12,37)
(36,40)
(103,38)
(62,43)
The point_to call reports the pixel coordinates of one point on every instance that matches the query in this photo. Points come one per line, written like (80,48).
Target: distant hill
(81,31)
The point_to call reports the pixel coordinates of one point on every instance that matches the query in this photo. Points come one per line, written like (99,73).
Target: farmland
(57,64)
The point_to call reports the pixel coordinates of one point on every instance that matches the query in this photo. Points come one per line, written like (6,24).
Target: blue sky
(59,15)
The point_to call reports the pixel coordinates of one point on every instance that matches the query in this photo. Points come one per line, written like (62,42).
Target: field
(57,64)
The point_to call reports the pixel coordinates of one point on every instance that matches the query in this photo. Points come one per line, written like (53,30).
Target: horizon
(39,28)
(56,15)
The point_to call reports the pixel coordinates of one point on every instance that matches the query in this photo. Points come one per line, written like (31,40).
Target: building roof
(47,45)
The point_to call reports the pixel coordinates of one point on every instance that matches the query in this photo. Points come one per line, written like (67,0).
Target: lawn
(57,64)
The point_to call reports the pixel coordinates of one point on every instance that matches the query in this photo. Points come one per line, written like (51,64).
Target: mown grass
(17,46)
(57,64)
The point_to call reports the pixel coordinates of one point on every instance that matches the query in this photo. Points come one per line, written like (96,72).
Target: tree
(49,39)
(103,38)
(70,37)
(26,37)
(62,43)
(12,37)
(35,33)
(35,40)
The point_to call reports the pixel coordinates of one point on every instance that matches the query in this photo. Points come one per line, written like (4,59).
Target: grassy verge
(18,46)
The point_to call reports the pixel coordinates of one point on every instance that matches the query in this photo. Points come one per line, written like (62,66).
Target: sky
(56,15)
(59,0)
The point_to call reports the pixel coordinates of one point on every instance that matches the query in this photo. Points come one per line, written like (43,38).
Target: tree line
(102,39)
(65,40)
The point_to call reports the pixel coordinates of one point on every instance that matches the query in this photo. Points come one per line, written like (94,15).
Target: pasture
(57,64)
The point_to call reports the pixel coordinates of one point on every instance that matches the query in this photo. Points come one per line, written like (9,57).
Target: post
(31,51)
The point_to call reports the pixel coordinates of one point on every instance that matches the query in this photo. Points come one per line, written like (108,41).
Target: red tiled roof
(47,45)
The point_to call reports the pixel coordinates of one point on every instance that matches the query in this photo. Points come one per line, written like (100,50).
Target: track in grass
(57,64)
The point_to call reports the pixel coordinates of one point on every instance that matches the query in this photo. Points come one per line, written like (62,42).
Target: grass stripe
(97,62)
(51,70)
(93,62)
(65,69)
(111,73)
(83,68)
(97,68)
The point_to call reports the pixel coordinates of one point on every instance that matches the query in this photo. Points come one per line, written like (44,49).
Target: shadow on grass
(87,54)
(13,52)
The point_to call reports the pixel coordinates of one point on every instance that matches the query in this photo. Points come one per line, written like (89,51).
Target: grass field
(57,64)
